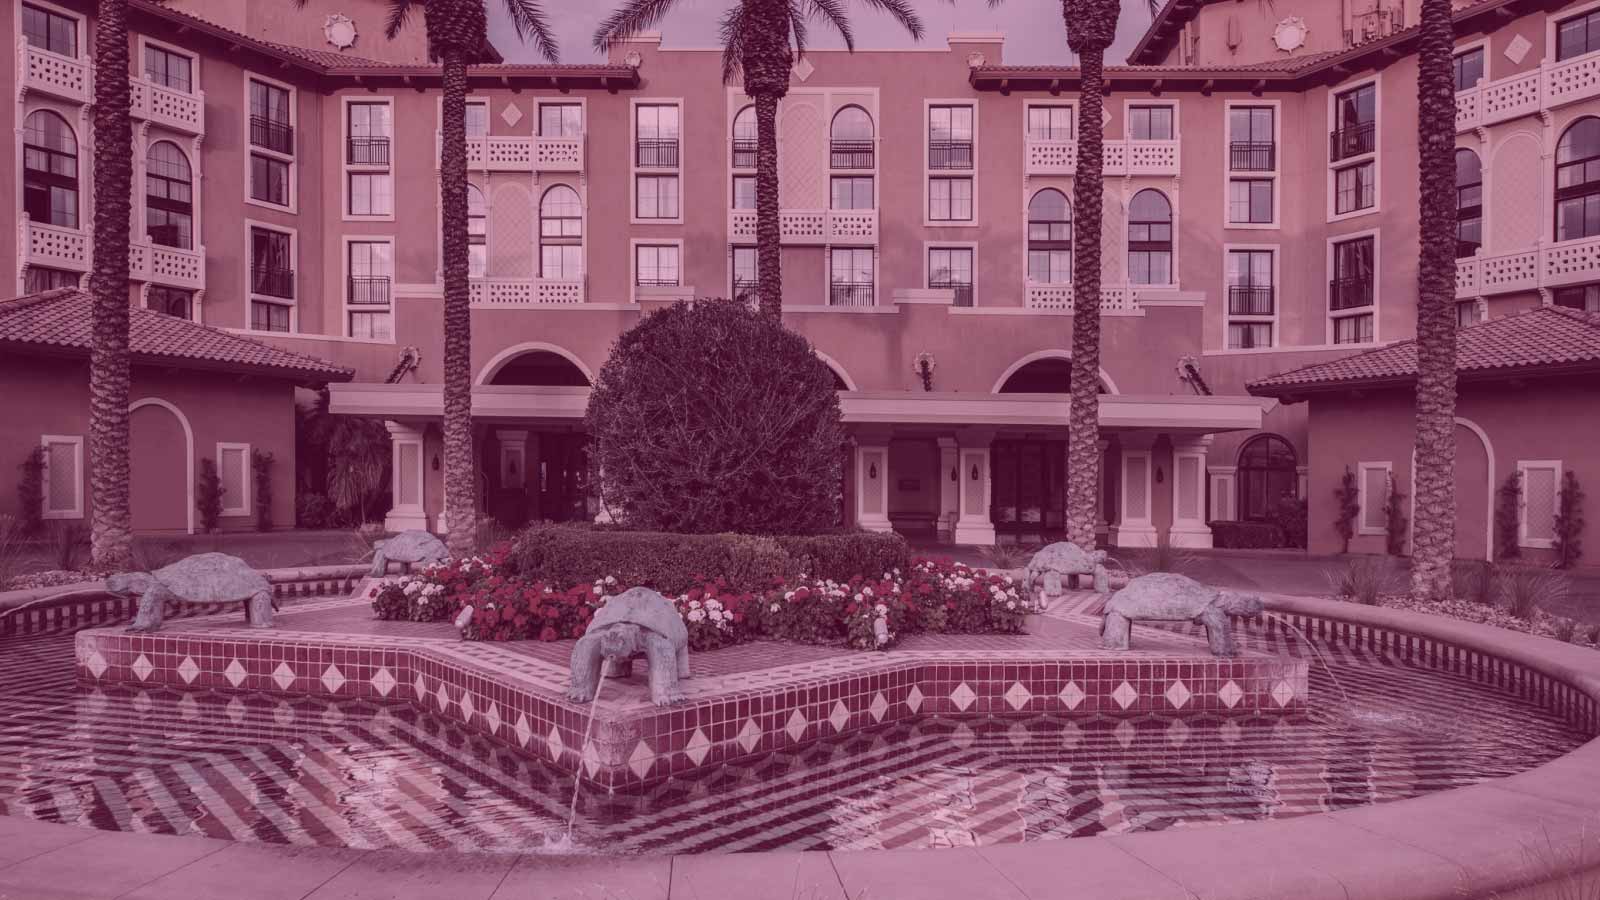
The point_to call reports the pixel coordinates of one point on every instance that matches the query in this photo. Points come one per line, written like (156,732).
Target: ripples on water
(357,774)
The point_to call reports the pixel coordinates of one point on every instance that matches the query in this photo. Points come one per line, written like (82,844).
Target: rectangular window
(850,276)
(1373,495)
(745,272)
(370,132)
(656,135)
(1574,37)
(1251,299)
(950,137)
(477,119)
(852,192)
(1354,188)
(560,119)
(1541,489)
(950,199)
(1250,201)
(1355,122)
(1252,139)
(49,30)
(171,301)
(271,263)
(268,316)
(657,197)
(656,265)
(1353,329)
(371,267)
(168,69)
(270,117)
(744,192)
(951,268)
(1583,296)
(1351,291)
(1050,266)
(1467,313)
(1468,69)
(269,180)
(233,470)
(1050,123)
(40,278)
(1150,123)
(63,476)
(371,194)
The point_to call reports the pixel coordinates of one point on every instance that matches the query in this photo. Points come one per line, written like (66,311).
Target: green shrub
(846,554)
(1508,501)
(208,495)
(30,493)
(67,537)
(1364,579)
(1569,522)
(1292,516)
(1348,493)
(1247,535)
(261,471)
(314,510)
(1473,581)
(1395,522)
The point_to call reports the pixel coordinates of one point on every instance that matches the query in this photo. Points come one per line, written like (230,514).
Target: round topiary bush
(711,417)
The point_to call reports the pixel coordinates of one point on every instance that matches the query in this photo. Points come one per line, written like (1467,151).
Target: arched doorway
(532,473)
(1474,486)
(160,468)
(1268,472)
(1028,498)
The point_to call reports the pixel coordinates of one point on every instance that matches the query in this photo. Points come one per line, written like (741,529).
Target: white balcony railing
(161,105)
(1550,86)
(1120,157)
(1556,265)
(173,266)
(524,154)
(49,73)
(509,293)
(811,226)
(53,246)
(1113,297)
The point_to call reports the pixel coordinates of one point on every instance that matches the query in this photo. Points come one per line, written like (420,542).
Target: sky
(1033,29)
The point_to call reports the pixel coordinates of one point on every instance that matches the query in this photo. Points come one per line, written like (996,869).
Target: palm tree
(1434,513)
(458,31)
(760,39)
(111,535)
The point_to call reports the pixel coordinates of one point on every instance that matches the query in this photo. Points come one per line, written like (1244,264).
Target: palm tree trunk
(111,537)
(769,237)
(1433,521)
(460,486)
(1083,418)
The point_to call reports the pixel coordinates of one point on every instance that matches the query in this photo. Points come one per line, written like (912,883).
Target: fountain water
(1313,648)
(563,843)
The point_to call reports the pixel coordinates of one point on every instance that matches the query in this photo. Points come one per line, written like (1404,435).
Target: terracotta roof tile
(59,321)
(1549,337)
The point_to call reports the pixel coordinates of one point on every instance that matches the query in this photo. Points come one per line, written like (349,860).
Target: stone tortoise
(1066,559)
(637,621)
(1165,597)
(410,547)
(202,578)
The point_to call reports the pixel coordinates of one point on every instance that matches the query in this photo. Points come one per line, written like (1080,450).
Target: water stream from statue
(1318,653)
(564,842)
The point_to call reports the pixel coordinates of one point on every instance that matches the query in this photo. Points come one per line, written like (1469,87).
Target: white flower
(775,606)
(881,609)
(696,615)
(1011,604)
(713,604)
(611,579)
(787,596)
(867,591)
(694,604)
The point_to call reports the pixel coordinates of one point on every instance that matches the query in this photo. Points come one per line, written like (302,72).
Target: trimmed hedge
(674,563)
(1247,535)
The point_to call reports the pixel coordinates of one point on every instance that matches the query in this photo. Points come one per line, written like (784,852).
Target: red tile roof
(1544,341)
(58,323)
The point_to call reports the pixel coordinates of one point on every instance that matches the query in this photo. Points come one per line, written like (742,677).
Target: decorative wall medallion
(340,31)
(633,59)
(1290,35)
(975,59)
(803,69)
(1518,48)
(511,115)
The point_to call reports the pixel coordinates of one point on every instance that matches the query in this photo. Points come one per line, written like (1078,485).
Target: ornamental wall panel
(802,168)
(1515,216)
(511,231)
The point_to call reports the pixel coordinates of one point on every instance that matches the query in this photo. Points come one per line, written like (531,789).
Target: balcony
(950,154)
(1350,293)
(850,293)
(1250,300)
(510,293)
(962,291)
(53,246)
(1252,156)
(171,266)
(271,134)
(269,281)
(1352,140)
(744,154)
(48,73)
(1058,297)
(370,290)
(1118,157)
(851,154)
(161,105)
(366,151)
(522,154)
(1552,266)
(656,153)
(810,226)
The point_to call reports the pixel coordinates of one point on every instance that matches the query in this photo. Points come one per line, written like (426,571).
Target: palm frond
(902,11)
(732,31)
(527,17)
(628,21)
(833,12)
(395,22)
(797,29)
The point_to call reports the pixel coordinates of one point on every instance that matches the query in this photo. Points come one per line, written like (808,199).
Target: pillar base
(1133,536)
(875,523)
(1199,538)
(407,521)
(978,533)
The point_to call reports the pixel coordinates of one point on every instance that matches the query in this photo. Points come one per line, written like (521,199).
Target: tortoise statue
(1165,597)
(637,621)
(414,547)
(1066,559)
(202,578)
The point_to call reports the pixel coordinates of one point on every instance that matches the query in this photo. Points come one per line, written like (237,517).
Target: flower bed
(1543,624)
(869,613)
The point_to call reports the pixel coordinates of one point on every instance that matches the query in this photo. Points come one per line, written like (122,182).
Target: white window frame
(1377,284)
(1551,22)
(251,150)
(1523,466)
(1277,305)
(294,264)
(244,510)
(633,259)
(928,174)
(194,63)
(76,441)
(1170,192)
(1375,157)
(733,269)
(927,264)
(583,111)
(344,283)
(346,169)
(634,169)
(1224,493)
(1467,46)
(80,38)
(1362,468)
(1072,112)
(1129,103)
(1275,175)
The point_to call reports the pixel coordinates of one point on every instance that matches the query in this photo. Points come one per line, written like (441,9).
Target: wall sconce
(872,471)
(953,475)
(974,471)
(1160,476)
(436,462)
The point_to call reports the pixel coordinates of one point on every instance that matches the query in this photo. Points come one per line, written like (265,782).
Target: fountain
(563,844)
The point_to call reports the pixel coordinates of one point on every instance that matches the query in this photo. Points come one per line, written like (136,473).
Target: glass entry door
(563,478)
(1029,487)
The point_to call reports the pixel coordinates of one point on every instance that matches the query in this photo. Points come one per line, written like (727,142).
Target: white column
(949,476)
(1135,524)
(1223,493)
(406,479)
(1189,527)
(973,525)
(1302,478)
(872,482)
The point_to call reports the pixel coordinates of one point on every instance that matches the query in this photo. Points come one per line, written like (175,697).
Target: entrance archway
(1045,372)
(1474,491)
(160,485)
(536,363)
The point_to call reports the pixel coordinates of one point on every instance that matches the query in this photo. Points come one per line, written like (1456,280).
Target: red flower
(548,634)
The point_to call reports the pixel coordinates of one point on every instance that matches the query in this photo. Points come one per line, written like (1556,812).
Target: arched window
(1578,181)
(1267,475)
(1150,238)
(560,233)
(1469,203)
(744,138)
(168,196)
(1049,237)
(49,170)
(477,233)
(851,135)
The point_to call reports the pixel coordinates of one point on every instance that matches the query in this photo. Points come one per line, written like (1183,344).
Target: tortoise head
(621,641)
(129,584)
(1247,605)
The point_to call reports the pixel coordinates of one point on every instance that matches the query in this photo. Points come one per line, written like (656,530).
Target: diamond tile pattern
(963,696)
(1178,694)
(1018,696)
(1071,695)
(1125,695)
(188,670)
(236,673)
